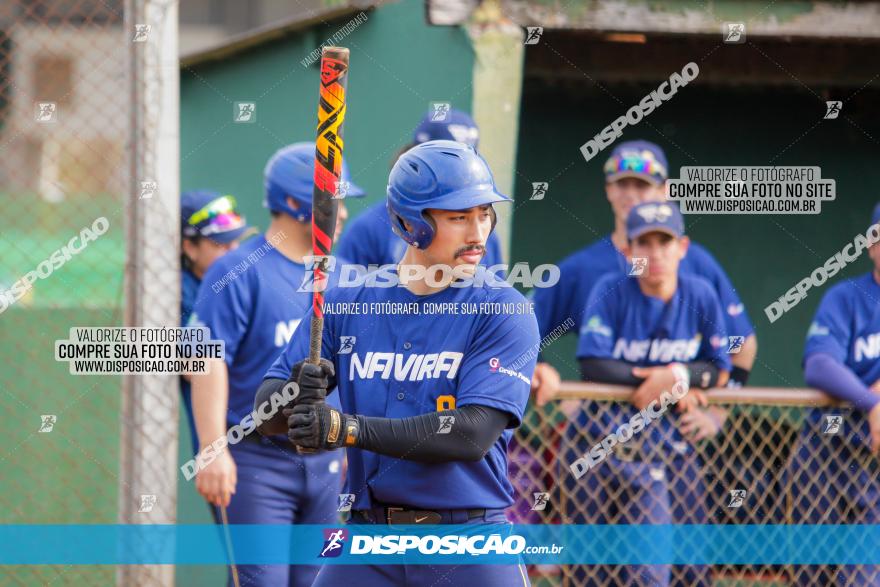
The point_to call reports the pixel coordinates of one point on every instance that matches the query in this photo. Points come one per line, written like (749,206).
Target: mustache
(464,250)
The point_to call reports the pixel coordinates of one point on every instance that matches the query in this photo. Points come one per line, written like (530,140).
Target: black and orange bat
(328,175)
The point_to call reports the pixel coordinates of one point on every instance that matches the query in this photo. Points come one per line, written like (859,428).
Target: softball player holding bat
(428,406)
(210,227)
(651,332)
(636,172)
(835,471)
(369,239)
(250,300)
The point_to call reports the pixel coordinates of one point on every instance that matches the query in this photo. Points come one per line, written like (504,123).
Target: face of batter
(664,253)
(459,237)
(625,193)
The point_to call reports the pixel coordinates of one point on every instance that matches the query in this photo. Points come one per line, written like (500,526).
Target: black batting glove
(318,426)
(313,380)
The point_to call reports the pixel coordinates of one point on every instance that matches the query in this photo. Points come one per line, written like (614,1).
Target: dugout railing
(755,470)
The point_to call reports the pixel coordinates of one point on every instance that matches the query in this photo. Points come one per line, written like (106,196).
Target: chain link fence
(781,456)
(83,243)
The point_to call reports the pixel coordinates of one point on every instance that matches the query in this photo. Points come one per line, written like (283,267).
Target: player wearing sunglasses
(210,227)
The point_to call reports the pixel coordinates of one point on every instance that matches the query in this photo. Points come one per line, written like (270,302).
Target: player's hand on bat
(318,426)
(657,380)
(216,482)
(313,380)
(545,383)
(699,424)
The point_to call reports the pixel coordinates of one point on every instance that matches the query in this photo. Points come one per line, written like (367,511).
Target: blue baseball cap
(640,159)
(654,217)
(448,125)
(875,217)
(212,215)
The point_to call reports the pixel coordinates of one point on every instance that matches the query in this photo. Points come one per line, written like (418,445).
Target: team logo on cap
(464,134)
(333,541)
(655,213)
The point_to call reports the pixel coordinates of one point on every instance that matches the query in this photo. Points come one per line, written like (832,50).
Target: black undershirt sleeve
(278,423)
(471,434)
(704,374)
(609,371)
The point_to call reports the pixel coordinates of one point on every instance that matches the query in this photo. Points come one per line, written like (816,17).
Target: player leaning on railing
(658,332)
(636,172)
(834,473)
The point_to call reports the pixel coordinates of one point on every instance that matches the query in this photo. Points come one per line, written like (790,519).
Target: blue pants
(835,480)
(278,486)
(426,575)
(624,492)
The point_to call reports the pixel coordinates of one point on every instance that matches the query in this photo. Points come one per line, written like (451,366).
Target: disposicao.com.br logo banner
(495,544)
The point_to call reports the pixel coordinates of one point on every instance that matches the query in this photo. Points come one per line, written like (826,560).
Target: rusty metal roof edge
(259,36)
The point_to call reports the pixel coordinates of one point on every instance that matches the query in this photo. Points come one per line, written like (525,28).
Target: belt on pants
(394,515)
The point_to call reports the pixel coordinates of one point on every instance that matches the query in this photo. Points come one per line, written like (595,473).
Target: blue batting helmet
(290,172)
(445,175)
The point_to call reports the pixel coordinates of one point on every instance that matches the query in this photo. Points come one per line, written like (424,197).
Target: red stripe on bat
(320,237)
(318,305)
(325,179)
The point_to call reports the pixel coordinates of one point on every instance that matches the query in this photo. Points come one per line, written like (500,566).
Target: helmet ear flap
(398,225)
(429,220)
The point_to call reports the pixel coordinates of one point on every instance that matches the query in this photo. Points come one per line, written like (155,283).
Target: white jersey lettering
(284,330)
(409,367)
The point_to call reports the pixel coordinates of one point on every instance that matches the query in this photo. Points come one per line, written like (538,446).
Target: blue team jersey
(253,306)
(623,323)
(580,271)
(189,288)
(369,240)
(402,365)
(847,327)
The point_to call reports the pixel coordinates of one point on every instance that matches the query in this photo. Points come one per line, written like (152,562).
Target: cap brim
(225,238)
(470,198)
(646,229)
(354,191)
(624,174)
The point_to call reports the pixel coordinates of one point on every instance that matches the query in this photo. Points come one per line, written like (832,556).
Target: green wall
(764,255)
(398,66)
